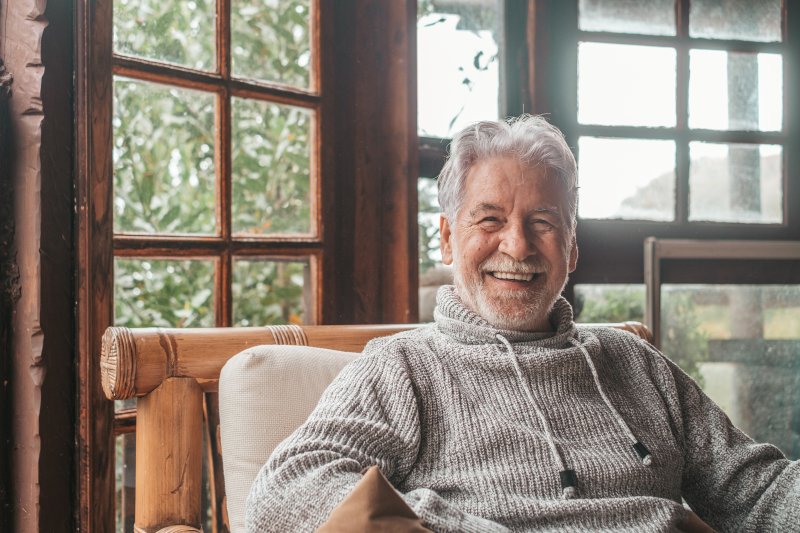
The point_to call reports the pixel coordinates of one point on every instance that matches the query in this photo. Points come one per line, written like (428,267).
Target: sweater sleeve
(732,482)
(367,416)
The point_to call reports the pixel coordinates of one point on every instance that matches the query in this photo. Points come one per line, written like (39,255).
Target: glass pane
(736,183)
(747,20)
(458,75)
(736,91)
(173,32)
(269,292)
(432,273)
(609,303)
(626,85)
(163,293)
(125,481)
(656,17)
(741,343)
(271,40)
(626,178)
(271,168)
(163,159)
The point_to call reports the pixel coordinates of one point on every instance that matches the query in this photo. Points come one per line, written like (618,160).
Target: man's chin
(526,316)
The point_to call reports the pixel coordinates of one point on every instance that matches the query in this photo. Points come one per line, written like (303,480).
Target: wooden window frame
(367,234)
(544,35)
(612,251)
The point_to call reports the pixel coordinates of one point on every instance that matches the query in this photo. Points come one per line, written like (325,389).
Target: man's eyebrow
(483,207)
(547,209)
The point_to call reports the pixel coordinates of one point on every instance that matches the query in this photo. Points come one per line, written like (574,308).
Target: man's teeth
(513,276)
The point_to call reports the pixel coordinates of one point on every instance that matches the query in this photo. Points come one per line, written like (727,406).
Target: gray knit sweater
(474,425)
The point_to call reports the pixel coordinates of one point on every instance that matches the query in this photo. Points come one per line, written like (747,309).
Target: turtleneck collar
(454,319)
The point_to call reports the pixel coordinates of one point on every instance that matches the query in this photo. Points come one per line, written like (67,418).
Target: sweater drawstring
(568,477)
(640,448)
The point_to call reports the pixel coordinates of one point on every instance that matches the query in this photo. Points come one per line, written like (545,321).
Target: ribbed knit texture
(442,412)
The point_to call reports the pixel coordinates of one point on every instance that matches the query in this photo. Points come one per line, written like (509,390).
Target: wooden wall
(39,361)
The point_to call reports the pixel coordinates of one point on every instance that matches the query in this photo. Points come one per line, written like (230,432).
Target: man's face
(509,244)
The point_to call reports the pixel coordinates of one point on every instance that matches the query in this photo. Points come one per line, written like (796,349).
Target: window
(471,65)
(680,112)
(215,114)
(232,170)
(737,335)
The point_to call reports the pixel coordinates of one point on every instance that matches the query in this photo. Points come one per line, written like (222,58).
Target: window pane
(163,159)
(736,183)
(656,17)
(736,91)
(457,64)
(748,20)
(271,40)
(172,32)
(269,292)
(271,168)
(125,481)
(741,342)
(163,293)
(626,85)
(626,178)
(609,303)
(432,273)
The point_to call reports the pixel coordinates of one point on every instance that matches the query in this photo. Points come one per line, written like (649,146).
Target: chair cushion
(265,393)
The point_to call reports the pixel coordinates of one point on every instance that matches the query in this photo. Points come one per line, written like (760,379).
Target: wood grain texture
(94,277)
(369,162)
(9,294)
(156,354)
(169,456)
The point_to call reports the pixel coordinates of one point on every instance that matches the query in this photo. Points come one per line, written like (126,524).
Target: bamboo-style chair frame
(169,370)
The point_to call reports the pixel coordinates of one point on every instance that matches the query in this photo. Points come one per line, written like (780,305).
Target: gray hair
(531,139)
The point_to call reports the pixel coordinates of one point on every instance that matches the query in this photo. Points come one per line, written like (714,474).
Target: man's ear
(573,255)
(444,240)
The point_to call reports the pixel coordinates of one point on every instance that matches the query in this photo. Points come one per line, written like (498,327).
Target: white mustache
(501,264)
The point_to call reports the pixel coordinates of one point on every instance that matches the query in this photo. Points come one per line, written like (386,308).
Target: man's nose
(516,242)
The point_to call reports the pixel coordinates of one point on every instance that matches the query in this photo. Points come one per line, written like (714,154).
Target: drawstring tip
(643,453)
(568,482)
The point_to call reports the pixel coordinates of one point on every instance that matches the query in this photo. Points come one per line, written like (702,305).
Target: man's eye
(489,222)
(541,223)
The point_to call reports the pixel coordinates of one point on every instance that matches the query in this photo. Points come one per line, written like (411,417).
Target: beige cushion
(265,393)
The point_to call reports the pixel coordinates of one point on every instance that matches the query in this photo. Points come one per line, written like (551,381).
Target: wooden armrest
(134,362)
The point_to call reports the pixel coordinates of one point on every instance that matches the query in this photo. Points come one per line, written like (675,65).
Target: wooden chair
(169,370)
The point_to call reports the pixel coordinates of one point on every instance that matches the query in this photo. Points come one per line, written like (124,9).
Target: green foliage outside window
(271,40)
(174,32)
(271,168)
(163,159)
(268,292)
(165,293)
(428,219)
(682,339)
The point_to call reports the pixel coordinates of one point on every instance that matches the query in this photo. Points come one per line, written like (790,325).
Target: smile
(513,276)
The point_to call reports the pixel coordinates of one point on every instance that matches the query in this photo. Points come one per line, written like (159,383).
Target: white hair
(531,139)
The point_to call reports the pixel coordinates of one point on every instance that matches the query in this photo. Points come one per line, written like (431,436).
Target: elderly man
(503,414)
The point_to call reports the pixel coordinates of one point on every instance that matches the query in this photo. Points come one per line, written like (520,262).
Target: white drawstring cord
(568,477)
(640,448)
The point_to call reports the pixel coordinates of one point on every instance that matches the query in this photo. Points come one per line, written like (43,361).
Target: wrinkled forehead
(484,183)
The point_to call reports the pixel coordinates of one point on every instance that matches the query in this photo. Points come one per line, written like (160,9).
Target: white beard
(519,310)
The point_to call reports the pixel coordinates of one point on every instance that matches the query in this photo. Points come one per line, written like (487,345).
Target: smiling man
(504,415)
